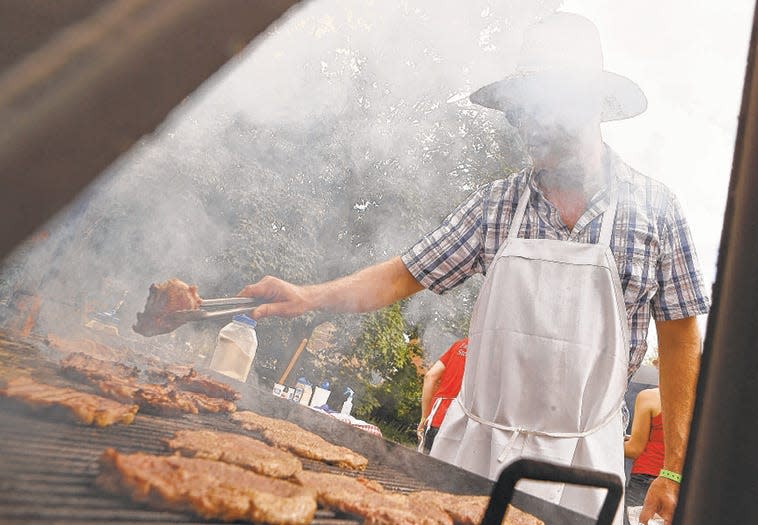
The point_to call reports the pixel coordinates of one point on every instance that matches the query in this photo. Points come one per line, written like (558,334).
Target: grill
(48,467)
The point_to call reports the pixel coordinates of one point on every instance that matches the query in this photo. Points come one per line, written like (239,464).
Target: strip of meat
(465,510)
(85,368)
(120,389)
(160,371)
(236,449)
(194,382)
(188,380)
(469,510)
(86,408)
(164,400)
(82,367)
(118,382)
(214,405)
(377,507)
(212,489)
(163,300)
(300,442)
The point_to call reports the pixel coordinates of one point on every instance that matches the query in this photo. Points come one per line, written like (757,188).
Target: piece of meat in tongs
(172,303)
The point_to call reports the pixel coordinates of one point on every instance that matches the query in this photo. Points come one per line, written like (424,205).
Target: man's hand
(421,428)
(283,299)
(661,498)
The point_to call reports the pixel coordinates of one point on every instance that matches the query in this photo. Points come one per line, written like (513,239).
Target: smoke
(333,142)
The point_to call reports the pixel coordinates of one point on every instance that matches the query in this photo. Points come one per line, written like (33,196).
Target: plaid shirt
(651,243)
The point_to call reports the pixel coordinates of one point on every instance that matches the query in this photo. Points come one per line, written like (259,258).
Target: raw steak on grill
(237,450)
(300,442)
(164,400)
(194,382)
(86,408)
(375,505)
(119,382)
(211,489)
(469,510)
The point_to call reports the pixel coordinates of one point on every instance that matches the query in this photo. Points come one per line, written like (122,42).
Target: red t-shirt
(450,383)
(651,460)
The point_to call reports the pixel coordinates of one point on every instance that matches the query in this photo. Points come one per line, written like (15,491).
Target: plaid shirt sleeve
(681,291)
(453,252)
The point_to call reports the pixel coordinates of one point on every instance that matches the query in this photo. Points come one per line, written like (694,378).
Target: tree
(382,366)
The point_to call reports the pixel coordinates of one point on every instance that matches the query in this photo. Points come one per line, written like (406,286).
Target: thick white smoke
(333,142)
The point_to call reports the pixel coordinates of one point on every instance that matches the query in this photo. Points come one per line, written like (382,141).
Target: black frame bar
(719,479)
(504,489)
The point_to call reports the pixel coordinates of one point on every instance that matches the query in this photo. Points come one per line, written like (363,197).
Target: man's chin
(539,153)
(549,153)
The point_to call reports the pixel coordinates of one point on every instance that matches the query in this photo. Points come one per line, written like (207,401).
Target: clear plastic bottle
(347,406)
(235,348)
(307,390)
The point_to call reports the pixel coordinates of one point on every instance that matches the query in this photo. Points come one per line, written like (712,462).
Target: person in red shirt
(645,445)
(441,384)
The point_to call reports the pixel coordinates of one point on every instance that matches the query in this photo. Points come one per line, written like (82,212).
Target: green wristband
(673,476)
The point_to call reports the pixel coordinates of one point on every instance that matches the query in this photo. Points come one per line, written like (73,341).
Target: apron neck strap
(518,216)
(609,216)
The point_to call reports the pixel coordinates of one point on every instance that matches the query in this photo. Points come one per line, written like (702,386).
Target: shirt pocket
(637,261)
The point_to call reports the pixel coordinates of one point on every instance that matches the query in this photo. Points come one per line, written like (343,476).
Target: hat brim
(621,98)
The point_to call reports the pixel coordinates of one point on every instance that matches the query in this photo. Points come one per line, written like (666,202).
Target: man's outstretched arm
(366,290)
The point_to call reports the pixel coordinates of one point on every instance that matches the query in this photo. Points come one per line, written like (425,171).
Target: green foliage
(382,345)
(393,396)
(397,403)
(380,364)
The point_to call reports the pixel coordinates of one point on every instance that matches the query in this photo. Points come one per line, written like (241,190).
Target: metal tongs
(214,309)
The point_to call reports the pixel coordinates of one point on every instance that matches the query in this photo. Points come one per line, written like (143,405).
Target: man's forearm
(679,358)
(426,405)
(366,290)
(427,391)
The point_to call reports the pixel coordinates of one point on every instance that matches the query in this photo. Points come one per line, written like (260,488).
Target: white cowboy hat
(556,52)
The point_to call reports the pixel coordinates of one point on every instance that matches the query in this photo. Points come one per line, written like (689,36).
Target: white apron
(546,367)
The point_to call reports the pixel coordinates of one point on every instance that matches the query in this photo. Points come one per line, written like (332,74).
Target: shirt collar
(599,202)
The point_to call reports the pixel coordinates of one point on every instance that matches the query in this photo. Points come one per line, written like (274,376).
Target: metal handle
(229,301)
(502,492)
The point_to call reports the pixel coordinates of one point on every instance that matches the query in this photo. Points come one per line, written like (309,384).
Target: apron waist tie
(517,431)
(428,425)
(433,411)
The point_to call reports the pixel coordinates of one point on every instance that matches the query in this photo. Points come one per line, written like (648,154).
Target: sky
(689,57)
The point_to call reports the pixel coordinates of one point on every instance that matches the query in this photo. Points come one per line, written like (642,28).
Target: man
(441,385)
(579,251)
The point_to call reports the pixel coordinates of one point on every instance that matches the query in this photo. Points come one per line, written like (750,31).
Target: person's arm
(366,290)
(431,383)
(641,423)
(679,361)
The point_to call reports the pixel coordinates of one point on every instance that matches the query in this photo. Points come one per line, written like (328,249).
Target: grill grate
(49,468)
